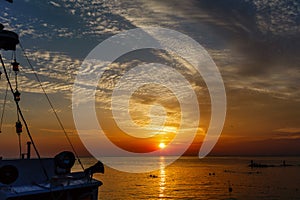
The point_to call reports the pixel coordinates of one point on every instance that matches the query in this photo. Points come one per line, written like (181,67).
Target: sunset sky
(254,43)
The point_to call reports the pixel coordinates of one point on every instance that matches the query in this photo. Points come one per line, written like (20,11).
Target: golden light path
(162,182)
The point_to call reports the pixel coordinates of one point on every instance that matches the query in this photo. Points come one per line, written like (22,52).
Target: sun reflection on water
(162,183)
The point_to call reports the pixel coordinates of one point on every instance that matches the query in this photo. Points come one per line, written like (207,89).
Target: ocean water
(208,178)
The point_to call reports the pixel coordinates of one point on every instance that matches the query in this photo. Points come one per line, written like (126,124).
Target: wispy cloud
(255,44)
(288,130)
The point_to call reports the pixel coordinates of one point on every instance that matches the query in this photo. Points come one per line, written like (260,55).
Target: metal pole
(28,150)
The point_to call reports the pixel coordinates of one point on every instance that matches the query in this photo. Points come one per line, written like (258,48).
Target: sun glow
(162,145)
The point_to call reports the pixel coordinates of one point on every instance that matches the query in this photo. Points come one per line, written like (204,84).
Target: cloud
(271,39)
(240,23)
(145,96)
(287,133)
(249,54)
(55,20)
(254,43)
(72,131)
(56,71)
(289,130)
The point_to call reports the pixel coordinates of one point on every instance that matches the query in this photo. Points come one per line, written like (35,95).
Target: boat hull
(27,181)
(89,192)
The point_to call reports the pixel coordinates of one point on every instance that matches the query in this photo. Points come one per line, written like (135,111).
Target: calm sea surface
(208,178)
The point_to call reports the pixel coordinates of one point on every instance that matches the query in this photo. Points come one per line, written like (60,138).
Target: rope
(16,72)
(52,107)
(20,144)
(4,104)
(16,80)
(24,121)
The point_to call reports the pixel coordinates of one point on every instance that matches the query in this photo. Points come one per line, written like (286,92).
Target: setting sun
(162,145)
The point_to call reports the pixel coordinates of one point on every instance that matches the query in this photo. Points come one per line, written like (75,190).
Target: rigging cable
(52,107)
(4,101)
(3,108)
(24,121)
(15,65)
(20,145)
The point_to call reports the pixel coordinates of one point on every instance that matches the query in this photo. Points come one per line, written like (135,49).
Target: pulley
(18,127)
(15,66)
(17,95)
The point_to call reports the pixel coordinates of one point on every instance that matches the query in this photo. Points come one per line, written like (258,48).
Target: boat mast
(8,41)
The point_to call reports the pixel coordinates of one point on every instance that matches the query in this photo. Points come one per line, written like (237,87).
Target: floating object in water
(229,187)
(259,165)
(153,176)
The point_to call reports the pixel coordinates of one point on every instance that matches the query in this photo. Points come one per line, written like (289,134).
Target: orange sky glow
(258,61)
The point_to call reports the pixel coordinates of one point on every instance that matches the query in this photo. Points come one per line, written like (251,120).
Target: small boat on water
(28,178)
(259,165)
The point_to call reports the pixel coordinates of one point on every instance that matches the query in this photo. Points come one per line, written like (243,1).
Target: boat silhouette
(40,178)
(260,165)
